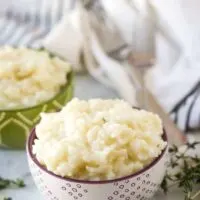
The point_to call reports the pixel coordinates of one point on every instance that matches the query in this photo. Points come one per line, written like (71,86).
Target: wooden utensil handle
(175,136)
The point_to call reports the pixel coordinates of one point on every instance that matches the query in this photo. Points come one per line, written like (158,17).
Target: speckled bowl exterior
(15,125)
(139,186)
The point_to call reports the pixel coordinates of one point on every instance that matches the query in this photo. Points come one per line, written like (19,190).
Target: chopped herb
(104,120)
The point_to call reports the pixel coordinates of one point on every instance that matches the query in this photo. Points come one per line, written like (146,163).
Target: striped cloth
(26,22)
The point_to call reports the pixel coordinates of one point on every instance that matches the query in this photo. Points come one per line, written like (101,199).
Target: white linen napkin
(175,78)
(77,28)
(66,39)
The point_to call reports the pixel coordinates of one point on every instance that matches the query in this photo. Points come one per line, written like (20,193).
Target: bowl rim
(31,156)
(63,88)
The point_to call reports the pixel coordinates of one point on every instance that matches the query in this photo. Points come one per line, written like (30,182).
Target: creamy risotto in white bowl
(98,149)
(31,81)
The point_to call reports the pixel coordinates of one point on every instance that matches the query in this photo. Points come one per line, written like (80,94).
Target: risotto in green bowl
(31,82)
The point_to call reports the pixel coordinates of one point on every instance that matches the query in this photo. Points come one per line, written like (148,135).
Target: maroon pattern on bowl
(140,185)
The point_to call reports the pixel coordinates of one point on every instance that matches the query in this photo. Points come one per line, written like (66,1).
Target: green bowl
(15,125)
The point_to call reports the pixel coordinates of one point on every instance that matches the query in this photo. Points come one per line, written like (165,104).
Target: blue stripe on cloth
(54,12)
(38,26)
(187,113)
(28,27)
(44,26)
(19,32)
(193,122)
(3,24)
(32,24)
(10,26)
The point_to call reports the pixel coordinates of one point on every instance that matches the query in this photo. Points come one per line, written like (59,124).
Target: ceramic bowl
(15,125)
(138,186)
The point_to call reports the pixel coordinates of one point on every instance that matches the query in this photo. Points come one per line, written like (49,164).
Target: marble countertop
(13,164)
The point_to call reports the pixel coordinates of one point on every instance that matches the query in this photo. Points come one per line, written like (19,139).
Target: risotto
(29,77)
(98,139)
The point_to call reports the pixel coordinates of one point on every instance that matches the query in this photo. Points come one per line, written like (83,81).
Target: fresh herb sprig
(183,170)
(6,183)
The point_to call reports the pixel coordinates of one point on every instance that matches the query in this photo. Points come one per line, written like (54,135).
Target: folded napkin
(175,79)
(87,38)
(94,40)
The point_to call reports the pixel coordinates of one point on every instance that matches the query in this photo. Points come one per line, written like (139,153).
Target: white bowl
(138,186)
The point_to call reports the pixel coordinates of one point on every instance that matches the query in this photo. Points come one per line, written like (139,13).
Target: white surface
(14,163)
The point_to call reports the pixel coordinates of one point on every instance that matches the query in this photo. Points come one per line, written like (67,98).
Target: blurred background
(165,32)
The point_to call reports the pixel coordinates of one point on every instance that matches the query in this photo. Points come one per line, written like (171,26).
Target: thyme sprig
(6,183)
(183,170)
